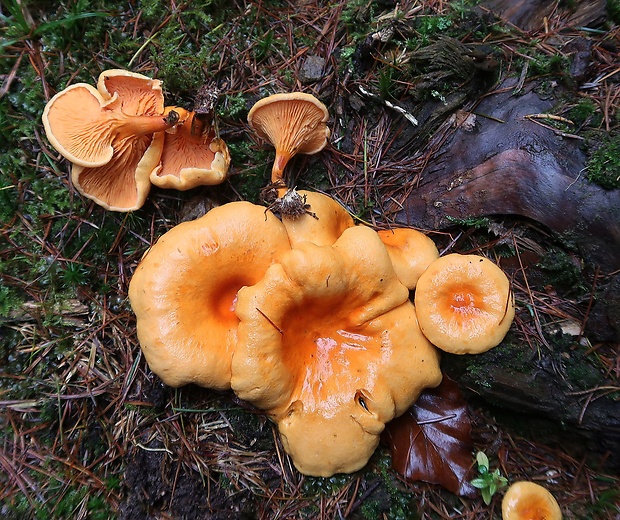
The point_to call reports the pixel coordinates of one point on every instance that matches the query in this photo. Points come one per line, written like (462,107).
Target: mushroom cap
(330,348)
(73,116)
(411,252)
(138,94)
(123,183)
(192,155)
(293,123)
(529,501)
(323,225)
(464,304)
(110,135)
(184,291)
(339,434)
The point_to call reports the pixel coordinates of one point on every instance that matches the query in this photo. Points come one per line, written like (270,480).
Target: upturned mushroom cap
(184,291)
(138,94)
(464,304)
(69,129)
(330,348)
(411,253)
(529,501)
(110,136)
(122,184)
(322,224)
(192,155)
(293,123)
(81,122)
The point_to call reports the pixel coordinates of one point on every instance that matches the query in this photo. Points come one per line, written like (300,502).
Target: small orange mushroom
(322,223)
(293,123)
(192,154)
(411,252)
(111,135)
(464,304)
(330,348)
(529,501)
(184,291)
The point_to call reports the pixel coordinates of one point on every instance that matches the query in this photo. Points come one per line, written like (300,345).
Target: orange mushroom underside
(124,181)
(184,150)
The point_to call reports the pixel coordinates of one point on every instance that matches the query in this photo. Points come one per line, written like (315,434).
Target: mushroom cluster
(120,139)
(308,316)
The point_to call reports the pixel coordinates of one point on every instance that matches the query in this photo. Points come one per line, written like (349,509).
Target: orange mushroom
(192,154)
(293,123)
(322,223)
(529,501)
(184,291)
(330,348)
(411,253)
(111,135)
(464,303)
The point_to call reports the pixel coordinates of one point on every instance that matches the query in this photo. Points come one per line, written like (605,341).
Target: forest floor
(88,431)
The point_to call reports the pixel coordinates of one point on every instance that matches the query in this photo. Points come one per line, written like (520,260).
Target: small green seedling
(488,483)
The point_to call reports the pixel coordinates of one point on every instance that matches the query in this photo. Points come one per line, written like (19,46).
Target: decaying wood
(508,164)
(532,15)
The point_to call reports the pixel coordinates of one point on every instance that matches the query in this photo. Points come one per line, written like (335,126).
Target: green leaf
(479,483)
(483,461)
(67,20)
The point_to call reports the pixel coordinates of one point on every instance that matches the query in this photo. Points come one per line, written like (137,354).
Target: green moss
(543,65)
(583,371)
(232,106)
(253,167)
(475,222)
(603,167)
(10,300)
(563,272)
(357,13)
(613,10)
(585,112)
(432,25)
(327,486)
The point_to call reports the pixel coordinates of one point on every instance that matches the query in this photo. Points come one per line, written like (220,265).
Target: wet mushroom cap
(340,433)
(411,252)
(184,291)
(529,501)
(293,123)
(323,223)
(464,304)
(330,348)
(192,155)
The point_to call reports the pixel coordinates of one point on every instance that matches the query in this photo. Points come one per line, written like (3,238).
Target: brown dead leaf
(432,440)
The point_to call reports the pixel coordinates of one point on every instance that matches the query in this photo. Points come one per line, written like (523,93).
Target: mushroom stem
(146,125)
(277,171)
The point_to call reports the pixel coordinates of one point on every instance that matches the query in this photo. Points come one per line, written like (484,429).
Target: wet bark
(507,163)
(530,15)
